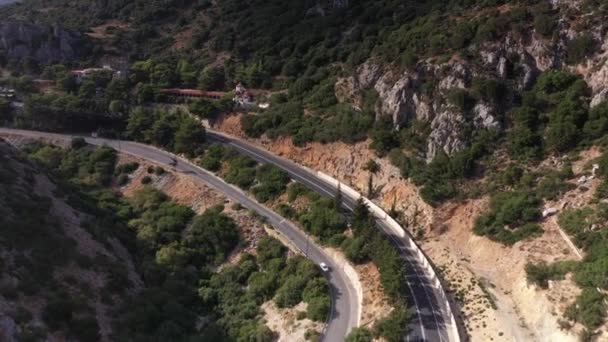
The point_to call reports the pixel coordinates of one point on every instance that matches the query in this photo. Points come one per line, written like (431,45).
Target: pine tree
(338,198)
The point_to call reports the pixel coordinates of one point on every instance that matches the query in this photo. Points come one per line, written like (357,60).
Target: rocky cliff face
(402,97)
(421,94)
(44,44)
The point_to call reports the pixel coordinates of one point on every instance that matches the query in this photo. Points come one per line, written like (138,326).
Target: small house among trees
(7,93)
(82,74)
(243,97)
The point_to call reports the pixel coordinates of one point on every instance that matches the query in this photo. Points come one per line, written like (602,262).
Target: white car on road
(324,267)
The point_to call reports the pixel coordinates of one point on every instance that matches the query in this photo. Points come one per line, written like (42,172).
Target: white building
(243,97)
(7,93)
(83,74)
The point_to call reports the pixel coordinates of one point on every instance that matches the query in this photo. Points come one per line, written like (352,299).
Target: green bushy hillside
(148,270)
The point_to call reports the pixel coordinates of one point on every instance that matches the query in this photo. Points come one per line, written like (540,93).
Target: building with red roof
(193,93)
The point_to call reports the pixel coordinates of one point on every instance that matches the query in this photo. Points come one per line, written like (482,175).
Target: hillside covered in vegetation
(491,99)
(137,268)
(431,82)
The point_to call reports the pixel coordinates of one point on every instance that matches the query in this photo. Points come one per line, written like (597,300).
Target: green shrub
(487,30)
(122,180)
(394,326)
(489,90)
(315,287)
(554,81)
(439,192)
(188,137)
(272,182)
(85,328)
(336,240)
(253,126)
(589,309)
(578,48)
(206,109)
(602,190)
(22,315)
(211,237)
(513,209)
(146,180)
(462,35)
(49,156)
(268,249)
(212,159)
(545,24)
(312,335)
(323,219)
(127,168)
(541,273)
(294,190)
(408,59)
(562,136)
(593,272)
(523,143)
(175,131)
(322,96)
(355,250)
(78,143)
(461,99)
(241,171)
(597,125)
(290,293)
(602,162)
(318,308)
(552,186)
(359,334)
(58,312)
(384,137)
(286,211)
(262,285)
(441,177)
(159,171)
(512,175)
(574,221)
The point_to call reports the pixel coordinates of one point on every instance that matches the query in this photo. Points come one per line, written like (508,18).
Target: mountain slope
(56,274)
(488,102)
(353,69)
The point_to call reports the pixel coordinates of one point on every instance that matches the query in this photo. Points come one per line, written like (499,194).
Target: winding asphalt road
(344,313)
(430,317)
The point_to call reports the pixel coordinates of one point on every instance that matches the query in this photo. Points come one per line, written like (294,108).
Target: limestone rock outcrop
(421,93)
